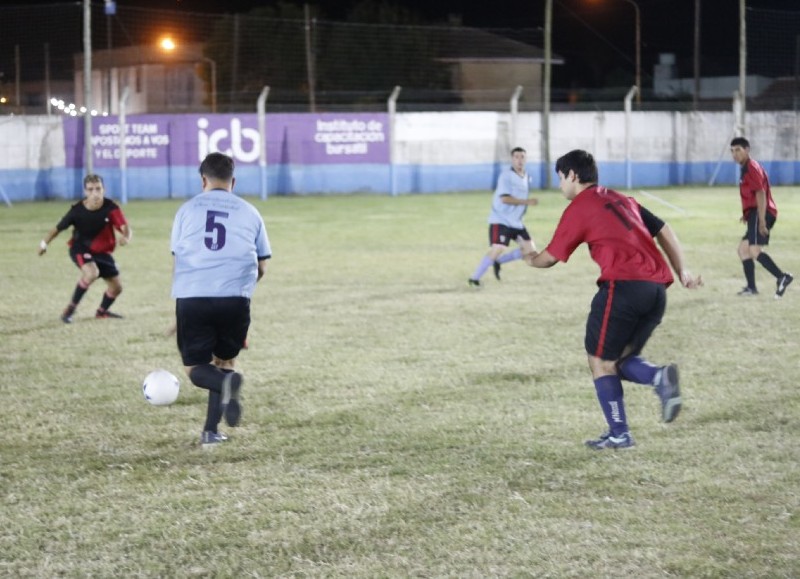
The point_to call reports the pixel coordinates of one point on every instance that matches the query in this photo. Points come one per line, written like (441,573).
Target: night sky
(594,36)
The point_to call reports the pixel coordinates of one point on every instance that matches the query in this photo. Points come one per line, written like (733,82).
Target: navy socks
(611,398)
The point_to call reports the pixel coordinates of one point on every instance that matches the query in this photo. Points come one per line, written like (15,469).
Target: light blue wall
(436,152)
(180,182)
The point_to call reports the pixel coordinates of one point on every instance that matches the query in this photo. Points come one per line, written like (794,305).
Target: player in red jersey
(759,212)
(631,298)
(95,221)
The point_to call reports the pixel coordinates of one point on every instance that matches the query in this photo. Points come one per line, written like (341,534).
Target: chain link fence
(318,65)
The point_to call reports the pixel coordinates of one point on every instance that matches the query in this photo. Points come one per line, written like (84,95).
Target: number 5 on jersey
(216,230)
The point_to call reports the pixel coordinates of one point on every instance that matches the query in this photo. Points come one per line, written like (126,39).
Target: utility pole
(696,96)
(740,128)
(548,58)
(312,98)
(87,87)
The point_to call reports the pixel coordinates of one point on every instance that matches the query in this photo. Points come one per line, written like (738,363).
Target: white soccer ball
(160,388)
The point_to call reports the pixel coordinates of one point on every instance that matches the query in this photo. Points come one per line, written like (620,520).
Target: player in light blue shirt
(509,204)
(219,241)
(220,247)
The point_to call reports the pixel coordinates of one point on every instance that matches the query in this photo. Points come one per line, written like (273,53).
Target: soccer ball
(160,388)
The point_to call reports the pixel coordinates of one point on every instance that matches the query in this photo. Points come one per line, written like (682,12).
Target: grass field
(396,423)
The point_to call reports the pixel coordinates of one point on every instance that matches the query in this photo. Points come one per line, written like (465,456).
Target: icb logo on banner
(300,139)
(241,143)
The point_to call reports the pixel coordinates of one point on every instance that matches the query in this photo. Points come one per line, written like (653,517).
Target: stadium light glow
(167,44)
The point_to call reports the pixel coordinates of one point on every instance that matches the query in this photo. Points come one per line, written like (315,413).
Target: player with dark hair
(759,212)
(631,297)
(94,220)
(509,204)
(220,247)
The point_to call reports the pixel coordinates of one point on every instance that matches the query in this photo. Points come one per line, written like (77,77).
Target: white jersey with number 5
(217,240)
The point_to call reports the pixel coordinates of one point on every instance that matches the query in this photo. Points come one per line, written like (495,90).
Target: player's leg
(523,239)
(498,241)
(109,273)
(748,251)
(749,267)
(606,333)
(782,279)
(196,337)
(233,325)
(89,273)
(113,289)
(651,301)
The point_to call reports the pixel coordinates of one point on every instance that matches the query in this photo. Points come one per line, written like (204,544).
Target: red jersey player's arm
(541,259)
(127,234)
(761,200)
(119,223)
(672,247)
(47,239)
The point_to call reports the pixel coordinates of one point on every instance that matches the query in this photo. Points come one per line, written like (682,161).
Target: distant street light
(168,45)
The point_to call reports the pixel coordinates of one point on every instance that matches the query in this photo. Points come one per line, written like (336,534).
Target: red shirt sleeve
(117,218)
(569,234)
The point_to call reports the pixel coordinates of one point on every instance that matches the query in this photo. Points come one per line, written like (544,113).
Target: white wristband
(43,245)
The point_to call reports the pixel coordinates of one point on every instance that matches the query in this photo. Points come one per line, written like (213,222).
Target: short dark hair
(92,178)
(217,166)
(579,162)
(518,150)
(740,142)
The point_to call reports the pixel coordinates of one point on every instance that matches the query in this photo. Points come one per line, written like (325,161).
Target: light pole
(638,52)
(546,89)
(696,95)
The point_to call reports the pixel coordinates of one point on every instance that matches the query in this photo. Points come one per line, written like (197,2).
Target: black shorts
(623,313)
(752,236)
(209,327)
(502,235)
(104,261)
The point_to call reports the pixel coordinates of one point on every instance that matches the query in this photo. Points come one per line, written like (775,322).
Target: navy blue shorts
(105,263)
(624,313)
(752,236)
(503,235)
(209,327)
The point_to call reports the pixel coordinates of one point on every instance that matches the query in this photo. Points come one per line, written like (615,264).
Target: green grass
(397,423)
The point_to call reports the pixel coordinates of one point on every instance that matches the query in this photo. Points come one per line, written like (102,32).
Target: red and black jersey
(619,233)
(752,180)
(93,231)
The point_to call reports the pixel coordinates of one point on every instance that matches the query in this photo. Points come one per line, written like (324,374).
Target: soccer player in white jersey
(220,247)
(509,204)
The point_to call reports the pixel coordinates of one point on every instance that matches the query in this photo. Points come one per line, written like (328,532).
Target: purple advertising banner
(300,139)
